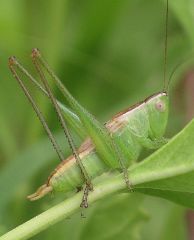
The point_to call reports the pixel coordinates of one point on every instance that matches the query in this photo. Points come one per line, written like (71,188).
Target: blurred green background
(109,53)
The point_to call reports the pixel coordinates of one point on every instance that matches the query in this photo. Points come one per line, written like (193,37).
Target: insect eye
(160,106)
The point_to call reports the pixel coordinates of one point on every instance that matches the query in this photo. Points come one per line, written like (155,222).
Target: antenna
(13,62)
(166,45)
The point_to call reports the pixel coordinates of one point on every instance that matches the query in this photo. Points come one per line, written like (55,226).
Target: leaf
(169,172)
(100,219)
(164,218)
(118,217)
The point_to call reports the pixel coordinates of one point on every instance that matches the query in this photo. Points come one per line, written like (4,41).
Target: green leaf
(164,218)
(104,220)
(118,217)
(169,172)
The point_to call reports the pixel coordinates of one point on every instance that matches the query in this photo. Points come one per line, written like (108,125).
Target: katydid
(115,145)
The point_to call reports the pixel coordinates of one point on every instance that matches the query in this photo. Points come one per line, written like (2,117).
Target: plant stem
(66,208)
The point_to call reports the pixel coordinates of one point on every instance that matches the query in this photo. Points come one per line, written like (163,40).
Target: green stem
(66,208)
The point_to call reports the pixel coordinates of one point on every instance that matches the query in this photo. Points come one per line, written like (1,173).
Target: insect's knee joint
(35,53)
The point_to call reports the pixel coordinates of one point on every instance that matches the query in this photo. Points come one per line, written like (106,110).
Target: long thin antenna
(60,117)
(13,62)
(166,45)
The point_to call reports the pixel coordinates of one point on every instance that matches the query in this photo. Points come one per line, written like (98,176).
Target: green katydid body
(140,126)
(115,145)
